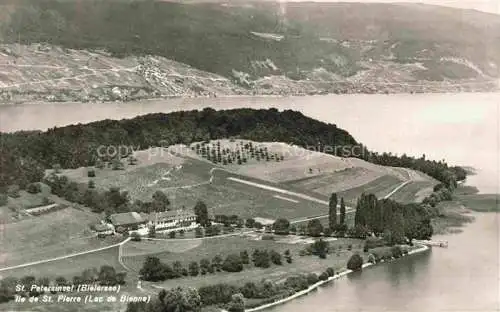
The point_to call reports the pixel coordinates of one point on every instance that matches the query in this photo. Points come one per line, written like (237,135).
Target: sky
(491,6)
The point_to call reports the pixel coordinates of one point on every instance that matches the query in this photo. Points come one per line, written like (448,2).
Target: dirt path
(63,257)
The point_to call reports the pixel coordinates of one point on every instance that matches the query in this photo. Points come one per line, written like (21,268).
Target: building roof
(178,214)
(126,218)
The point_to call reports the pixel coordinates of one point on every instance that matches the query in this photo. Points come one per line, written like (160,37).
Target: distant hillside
(272,48)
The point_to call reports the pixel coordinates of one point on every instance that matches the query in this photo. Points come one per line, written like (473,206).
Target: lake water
(464,277)
(461,128)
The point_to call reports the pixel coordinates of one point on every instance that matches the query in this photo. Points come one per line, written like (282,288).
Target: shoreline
(301,293)
(239,96)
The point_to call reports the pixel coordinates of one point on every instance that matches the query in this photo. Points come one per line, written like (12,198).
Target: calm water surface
(461,128)
(464,277)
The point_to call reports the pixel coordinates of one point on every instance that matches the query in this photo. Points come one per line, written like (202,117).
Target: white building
(172,221)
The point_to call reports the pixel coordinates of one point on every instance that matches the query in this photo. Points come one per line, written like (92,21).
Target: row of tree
(226,296)
(388,217)
(155,270)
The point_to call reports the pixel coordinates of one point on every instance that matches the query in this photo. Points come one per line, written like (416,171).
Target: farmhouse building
(127,221)
(172,220)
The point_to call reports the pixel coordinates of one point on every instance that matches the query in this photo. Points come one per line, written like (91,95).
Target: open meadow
(47,236)
(223,246)
(70,267)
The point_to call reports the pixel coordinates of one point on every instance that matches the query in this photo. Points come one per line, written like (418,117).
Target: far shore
(421,249)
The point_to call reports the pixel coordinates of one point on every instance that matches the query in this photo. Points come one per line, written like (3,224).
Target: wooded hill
(24,155)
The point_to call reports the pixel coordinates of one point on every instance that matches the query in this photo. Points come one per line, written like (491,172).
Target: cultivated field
(276,161)
(414,192)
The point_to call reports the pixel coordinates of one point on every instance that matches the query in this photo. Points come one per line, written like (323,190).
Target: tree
(160,201)
(204,265)
(312,278)
(34,188)
(217,262)
(275,257)
(153,270)
(342,211)
(4,200)
(171,234)
(261,258)
(201,212)
(320,248)
(107,275)
(232,263)
(182,299)
(194,268)
(152,232)
(237,303)
(250,223)
(249,290)
(288,256)
(330,271)
(355,263)
(281,226)
(323,276)
(61,281)
(177,269)
(198,232)
(7,289)
(245,259)
(332,211)
(314,228)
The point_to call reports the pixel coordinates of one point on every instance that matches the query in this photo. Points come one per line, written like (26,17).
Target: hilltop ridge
(213,48)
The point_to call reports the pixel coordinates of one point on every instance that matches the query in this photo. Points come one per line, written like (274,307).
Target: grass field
(146,247)
(223,246)
(47,236)
(71,266)
(224,196)
(380,187)
(414,192)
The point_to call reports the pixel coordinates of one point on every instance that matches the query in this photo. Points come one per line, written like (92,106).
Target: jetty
(443,244)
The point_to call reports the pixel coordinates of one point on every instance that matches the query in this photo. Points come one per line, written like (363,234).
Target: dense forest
(394,220)
(25,155)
